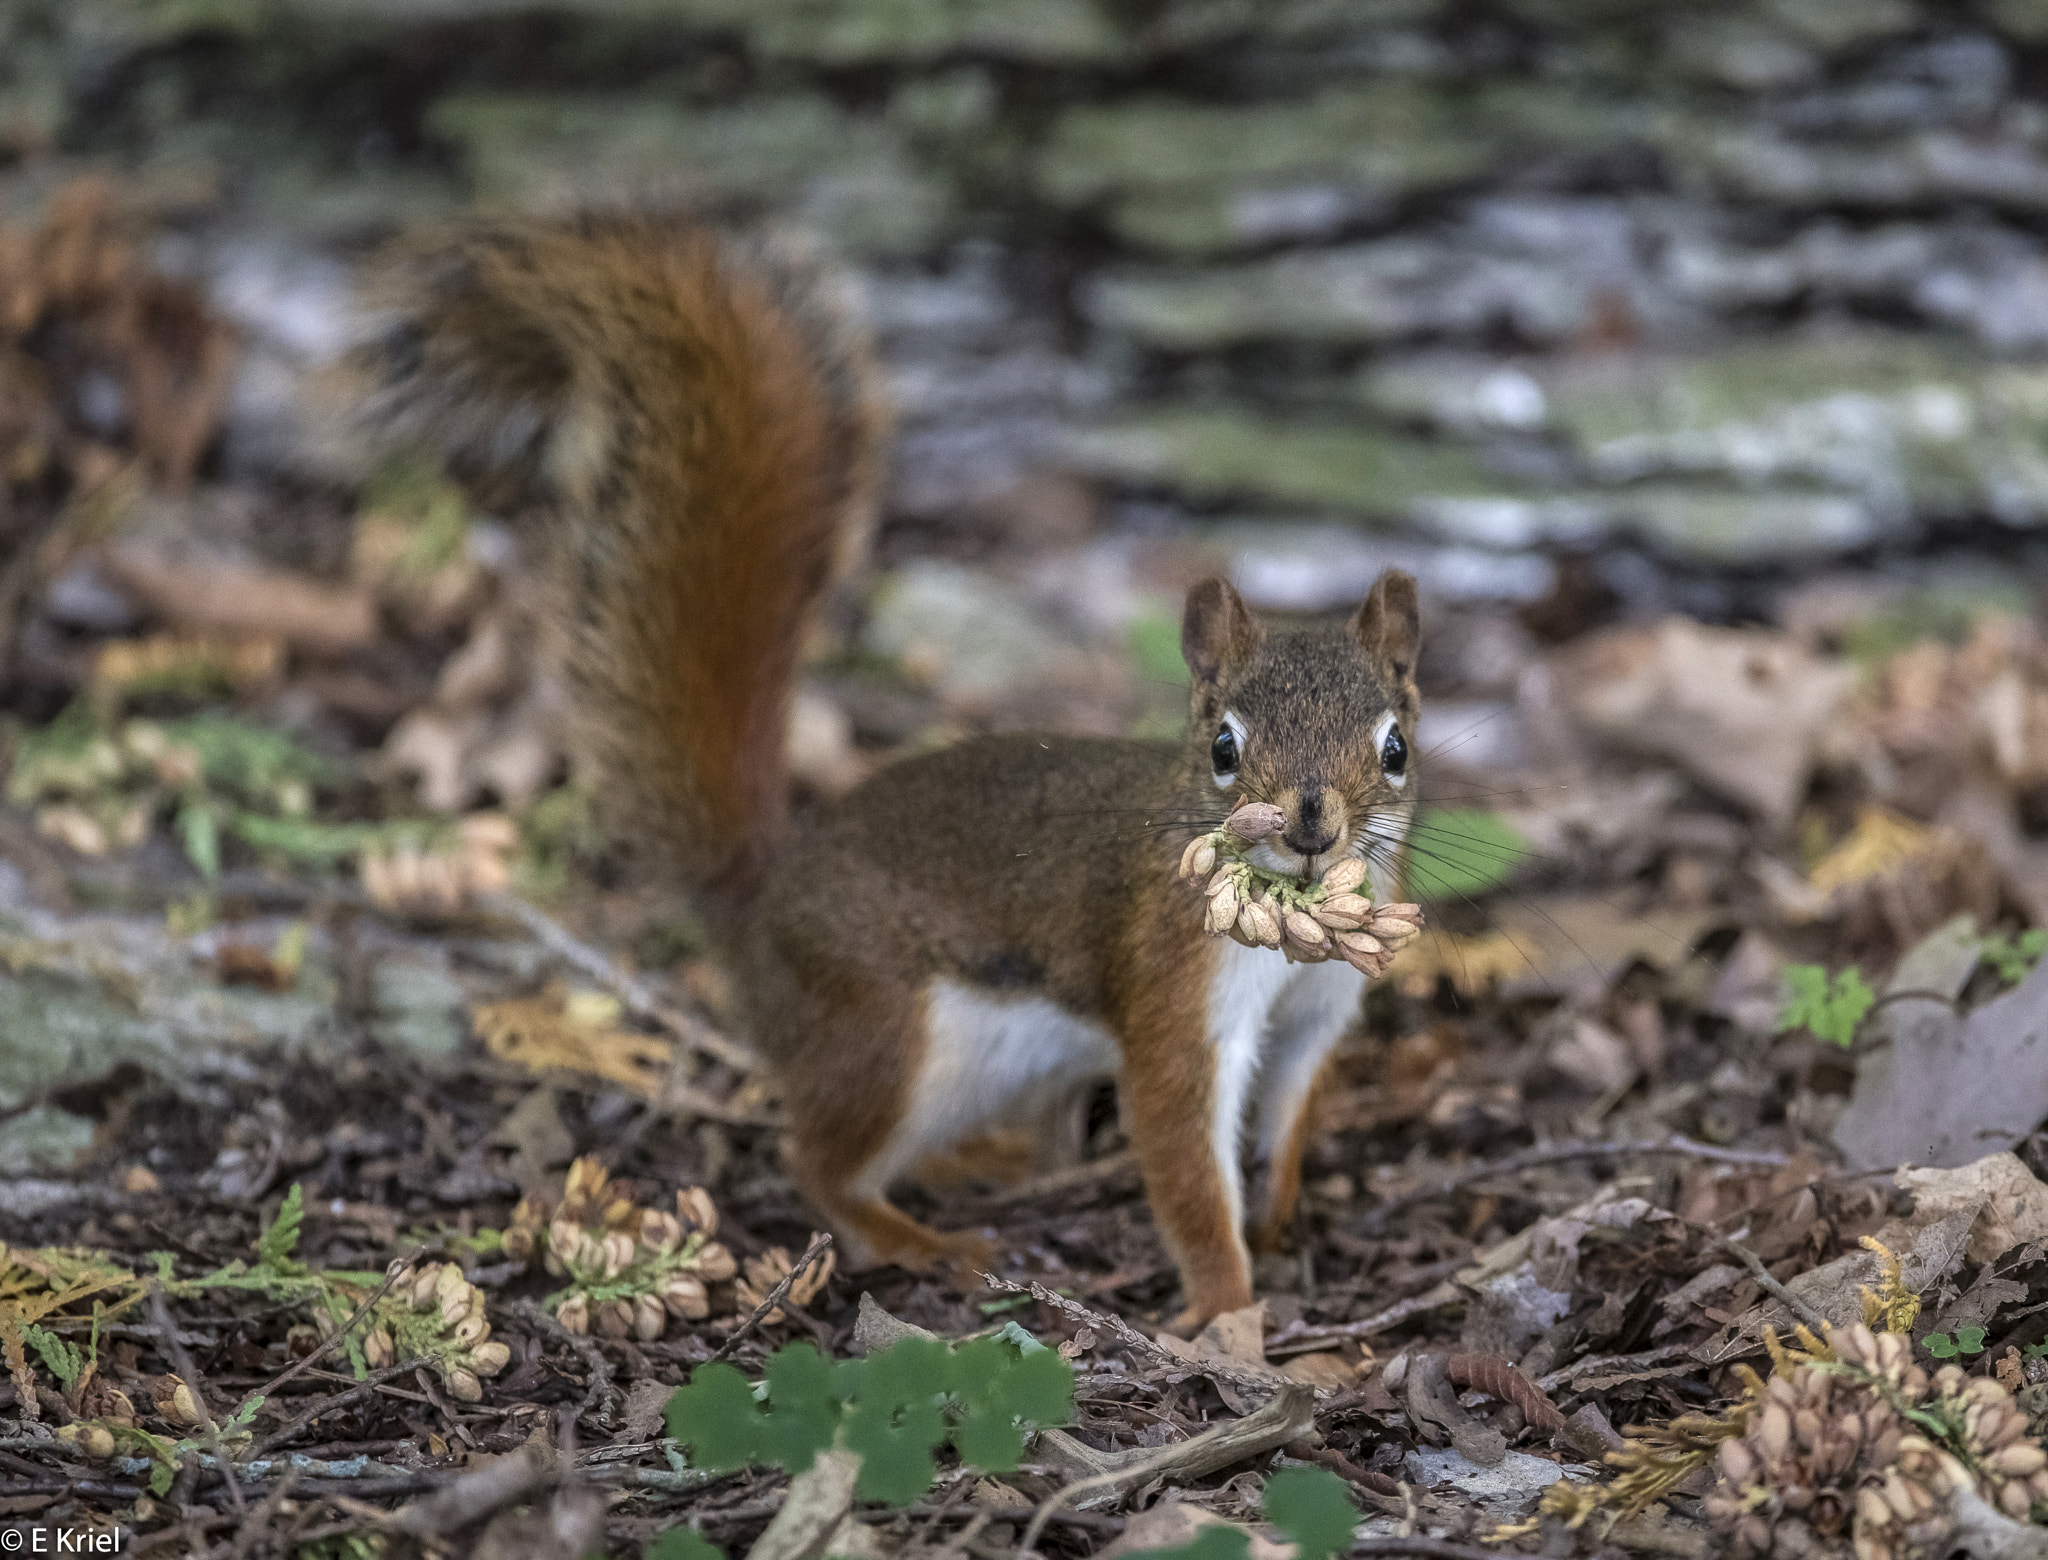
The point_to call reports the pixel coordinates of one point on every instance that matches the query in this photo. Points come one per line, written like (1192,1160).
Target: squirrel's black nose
(1310,834)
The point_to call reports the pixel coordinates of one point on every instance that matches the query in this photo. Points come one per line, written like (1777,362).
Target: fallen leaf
(1742,711)
(1944,1090)
(535,1033)
(1539,946)
(226,595)
(2013,1204)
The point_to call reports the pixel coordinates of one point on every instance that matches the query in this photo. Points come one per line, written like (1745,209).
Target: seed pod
(1259,922)
(574,1314)
(487,1359)
(1343,912)
(377,1348)
(715,1264)
(2019,1460)
(180,1407)
(471,1330)
(1199,859)
(613,1319)
(660,1232)
(451,1294)
(697,1211)
(648,1318)
(1306,931)
(1371,965)
(1360,942)
(424,1282)
(685,1298)
(462,1385)
(1255,820)
(518,1243)
(1222,907)
(618,1253)
(1344,877)
(1736,1463)
(95,1441)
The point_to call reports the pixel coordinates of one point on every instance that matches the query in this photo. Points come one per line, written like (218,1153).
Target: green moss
(1218,456)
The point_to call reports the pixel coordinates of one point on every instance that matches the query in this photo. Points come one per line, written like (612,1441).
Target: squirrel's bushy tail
(700,421)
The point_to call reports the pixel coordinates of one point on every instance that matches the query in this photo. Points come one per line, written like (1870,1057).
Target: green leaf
(803,1409)
(1940,1345)
(1831,1009)
(199,833)
(63,1359)
(989,1440)
(682,1543)
(895,1423)
(2014,957)
(1013,1333)
(1970,1340)
(716,1418)
(1312,1507)
(1462,850)
(1038,1388)
(275,1247)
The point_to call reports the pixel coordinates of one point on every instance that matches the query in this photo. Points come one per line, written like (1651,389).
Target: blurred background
(1695,359)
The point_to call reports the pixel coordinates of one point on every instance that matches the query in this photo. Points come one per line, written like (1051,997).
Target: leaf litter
(378,1163)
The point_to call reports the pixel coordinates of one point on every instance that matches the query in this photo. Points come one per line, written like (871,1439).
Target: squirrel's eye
(1394,753)
(1223,752)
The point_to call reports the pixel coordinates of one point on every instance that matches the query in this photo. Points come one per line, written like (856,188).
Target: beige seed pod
(377,1348)
(613,1319)
(1737,1465)
(471,1330)
(424,1282)
(660,1232)
(648,1318)
(518,1243)
(1360,942)
(1259,922)
(1343,912)
(617,1249)
(1305,931)
(685,1298)
(574,1314)
(1198,860)
(96,1441)
(697,1211)
(1344,877)
(462,1385)
(1255,820)
(1222,907)
(451,1294)
(716,1265)
(180,1407)
(487,1359)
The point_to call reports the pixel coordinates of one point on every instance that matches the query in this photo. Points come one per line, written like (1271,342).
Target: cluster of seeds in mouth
(1312,922)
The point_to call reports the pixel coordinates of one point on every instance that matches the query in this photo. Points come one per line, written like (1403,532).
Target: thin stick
(392,1274)
(639,1001)
(1073,1178)
(329,1405)
(812,1253)
(1131,1338)
(181,1362)
(1558,1153)
(1772,1287)
(586,1350)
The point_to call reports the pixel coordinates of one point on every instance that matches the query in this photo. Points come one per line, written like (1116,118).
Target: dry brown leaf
(542,1034)
(230,596)
(1743,711)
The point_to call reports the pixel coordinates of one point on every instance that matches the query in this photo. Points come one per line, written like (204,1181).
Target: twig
(1378,1218)
(639,1001)
(815,1250)
(329,1405)
(1287,1415)
(181,1362)
(1772,1287)
(587,1351)
(1433,1548)
(392,1274)
(1415,1305)
(1131,1338)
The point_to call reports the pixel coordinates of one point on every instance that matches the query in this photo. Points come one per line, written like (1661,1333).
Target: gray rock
(1517,1478)
(418,1008)
(42,1140)
(969,635)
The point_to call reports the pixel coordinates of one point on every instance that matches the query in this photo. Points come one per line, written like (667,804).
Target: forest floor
(316,979)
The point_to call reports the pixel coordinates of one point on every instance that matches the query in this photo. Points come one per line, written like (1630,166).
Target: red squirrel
(971,934)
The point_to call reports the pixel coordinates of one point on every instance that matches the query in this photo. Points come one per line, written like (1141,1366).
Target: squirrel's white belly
(990,1057)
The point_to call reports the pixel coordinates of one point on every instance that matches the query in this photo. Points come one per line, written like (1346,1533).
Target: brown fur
(701,433)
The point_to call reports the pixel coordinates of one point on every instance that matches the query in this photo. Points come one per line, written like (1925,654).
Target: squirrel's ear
(1389,623)
(1217,633)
